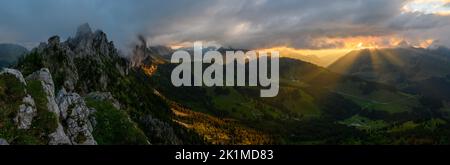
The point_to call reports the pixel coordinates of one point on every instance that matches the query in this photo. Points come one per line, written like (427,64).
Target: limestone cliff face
(77,117)
(71,128)
(26,113)
(87,62)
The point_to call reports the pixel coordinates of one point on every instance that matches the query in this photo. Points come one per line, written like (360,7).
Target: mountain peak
(143,55)
(88,42)
(84,30)
(54,40)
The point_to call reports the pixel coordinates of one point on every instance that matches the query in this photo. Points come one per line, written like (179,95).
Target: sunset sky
(299,26)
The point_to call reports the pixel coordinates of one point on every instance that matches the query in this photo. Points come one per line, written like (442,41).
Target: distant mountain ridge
(10,53)
(395,66)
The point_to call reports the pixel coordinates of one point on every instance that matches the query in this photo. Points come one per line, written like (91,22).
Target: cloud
(303,24)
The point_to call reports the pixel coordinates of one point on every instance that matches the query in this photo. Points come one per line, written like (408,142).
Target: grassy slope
(113,126)
(319,106)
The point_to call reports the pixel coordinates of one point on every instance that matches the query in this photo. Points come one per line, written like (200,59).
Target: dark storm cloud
(294,23)
(237,23)
(31,21)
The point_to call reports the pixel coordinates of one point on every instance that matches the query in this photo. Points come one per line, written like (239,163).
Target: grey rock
(68,84)
(58,137)
(104,96)
(78,118)
(48,85)
(84,30)
(3,142)
(104,81)
(15,73)
(64,100)
(27,111)
(45,76)
(66,67)
(54,41)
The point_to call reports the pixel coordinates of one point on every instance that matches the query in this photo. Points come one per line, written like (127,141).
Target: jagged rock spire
(84,30)
(54,41)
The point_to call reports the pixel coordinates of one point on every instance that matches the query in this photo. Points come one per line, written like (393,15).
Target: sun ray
(393,58)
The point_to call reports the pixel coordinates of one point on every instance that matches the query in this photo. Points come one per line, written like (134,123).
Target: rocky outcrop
(3,142)
(44,76)
(84,63)
(84,30)
(65,65)
(74,118)
(92,44)
(48,85)
(54,41)
(77,117)
(74,70)
(144,56)
(59,137)
(14,72)
(27,111)
(74,125)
